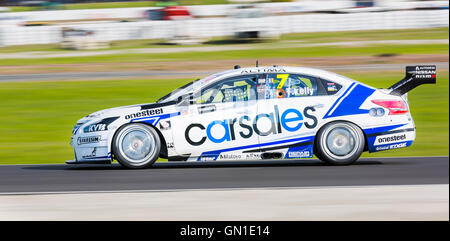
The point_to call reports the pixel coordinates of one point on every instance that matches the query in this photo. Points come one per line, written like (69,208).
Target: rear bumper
(381,139)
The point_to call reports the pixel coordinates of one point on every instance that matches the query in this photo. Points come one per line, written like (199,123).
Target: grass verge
(319,37)
(100,5)
(254,53)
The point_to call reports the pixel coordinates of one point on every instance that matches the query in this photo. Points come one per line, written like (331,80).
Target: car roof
(280,69)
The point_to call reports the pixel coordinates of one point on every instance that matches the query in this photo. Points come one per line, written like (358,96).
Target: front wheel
(339,143)
(136,146)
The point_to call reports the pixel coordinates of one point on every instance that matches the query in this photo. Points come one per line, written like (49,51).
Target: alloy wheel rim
(341,141)
(136,145)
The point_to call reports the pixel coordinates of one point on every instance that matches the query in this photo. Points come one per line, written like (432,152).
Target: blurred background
(61,60)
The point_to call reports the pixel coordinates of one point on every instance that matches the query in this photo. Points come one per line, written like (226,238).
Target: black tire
(136,146)
(339,143)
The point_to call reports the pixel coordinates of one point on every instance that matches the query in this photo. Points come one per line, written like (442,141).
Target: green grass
(37,117)
(77,6)
(366,35)
(119,44)
(267,52)
(99,5)
(405,34)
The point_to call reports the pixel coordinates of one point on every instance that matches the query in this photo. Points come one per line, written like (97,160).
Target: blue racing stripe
(350,104)
(340,97)
(216,153)
(153,120)
(382,129)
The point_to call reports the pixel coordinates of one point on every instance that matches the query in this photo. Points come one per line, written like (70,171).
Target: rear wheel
(339,143)
(136,146)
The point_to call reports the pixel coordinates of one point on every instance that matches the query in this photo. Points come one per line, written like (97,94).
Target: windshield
(190,87)
(186,89)
(178,92)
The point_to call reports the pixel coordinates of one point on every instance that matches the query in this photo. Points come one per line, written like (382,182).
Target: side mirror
(186,100)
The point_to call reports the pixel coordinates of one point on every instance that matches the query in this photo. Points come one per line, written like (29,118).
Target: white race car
(252,114)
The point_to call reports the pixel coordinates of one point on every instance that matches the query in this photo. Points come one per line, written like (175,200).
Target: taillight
(395,107)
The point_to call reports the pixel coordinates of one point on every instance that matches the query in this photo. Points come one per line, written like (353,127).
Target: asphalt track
(29,179)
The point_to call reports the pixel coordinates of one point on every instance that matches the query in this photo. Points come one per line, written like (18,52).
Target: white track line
(396,202)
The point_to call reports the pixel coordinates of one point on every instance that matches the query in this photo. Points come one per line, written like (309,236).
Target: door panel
(219,120)
(292,110)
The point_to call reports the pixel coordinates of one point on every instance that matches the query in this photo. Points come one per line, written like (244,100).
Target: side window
(330,87)
(290,86)
(235,89)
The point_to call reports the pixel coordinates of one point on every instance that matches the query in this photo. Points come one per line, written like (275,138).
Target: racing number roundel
(280,93)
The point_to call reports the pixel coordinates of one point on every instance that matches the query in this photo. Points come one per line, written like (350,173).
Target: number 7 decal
(283,78)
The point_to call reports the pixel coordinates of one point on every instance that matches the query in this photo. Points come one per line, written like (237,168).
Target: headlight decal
(75,129)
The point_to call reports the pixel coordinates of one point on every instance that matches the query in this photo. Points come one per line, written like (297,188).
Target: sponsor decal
(206,109)
(170,145)
(263,70)
(425,72)
(261,88)
(96,127)
(253,156)
(290,120)
(101,125)
(393,146)
(300,152)
(301,91)
(207,158)
(393,138)
(93,154)
(239,156)
(145,113)
(230,156)
(165,125)
(88,139)
(331,87)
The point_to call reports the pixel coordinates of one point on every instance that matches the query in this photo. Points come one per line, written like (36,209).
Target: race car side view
(252,114)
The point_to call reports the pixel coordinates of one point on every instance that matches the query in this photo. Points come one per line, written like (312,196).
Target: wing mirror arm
(185,100)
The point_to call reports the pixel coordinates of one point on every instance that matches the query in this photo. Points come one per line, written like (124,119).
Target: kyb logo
(96,127)
(290,120)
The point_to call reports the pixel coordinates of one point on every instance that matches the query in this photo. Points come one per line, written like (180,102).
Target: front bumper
(90,148)
(88,162)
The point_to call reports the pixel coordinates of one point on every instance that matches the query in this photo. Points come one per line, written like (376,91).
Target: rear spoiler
(415,76)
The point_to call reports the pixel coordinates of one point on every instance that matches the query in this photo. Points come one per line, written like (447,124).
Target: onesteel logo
(391,138)
(290,120)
